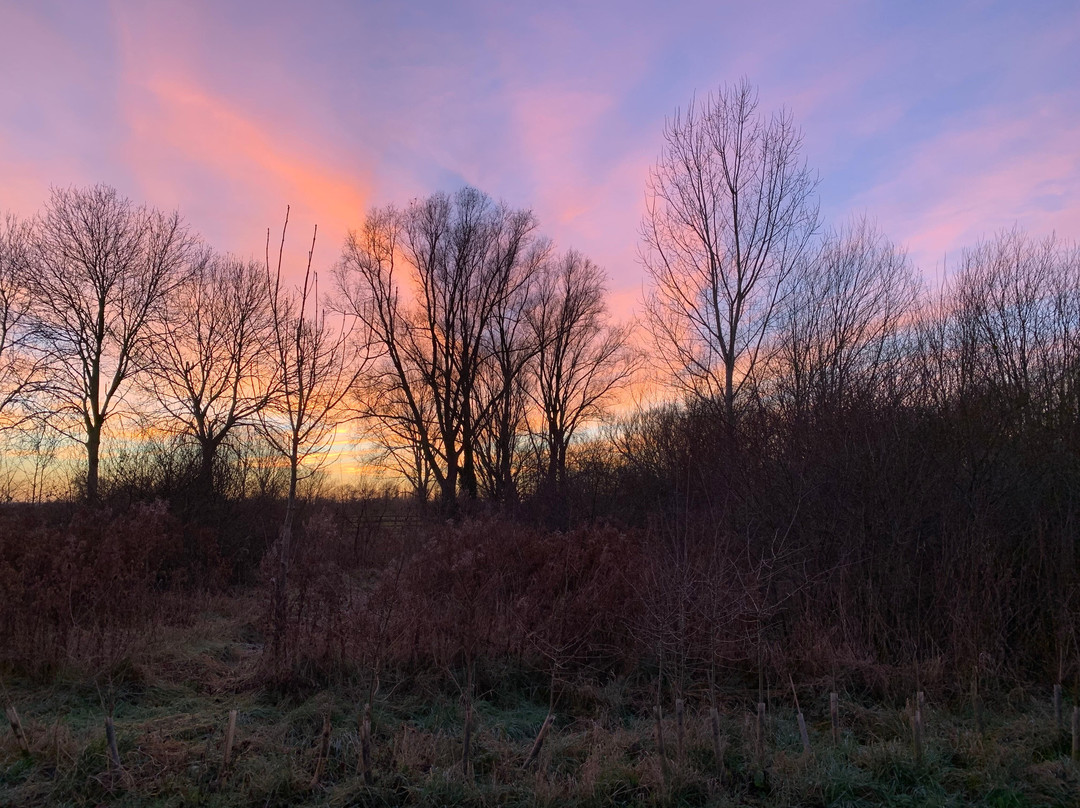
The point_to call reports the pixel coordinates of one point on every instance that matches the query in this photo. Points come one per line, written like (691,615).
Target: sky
(943,121)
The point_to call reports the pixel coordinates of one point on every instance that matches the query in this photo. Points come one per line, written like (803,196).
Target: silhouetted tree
(582,361)
(461,253)
(315,364)
(504,385)
(840,335)
(21,370)
(730,212)
(212,367)
(102,268)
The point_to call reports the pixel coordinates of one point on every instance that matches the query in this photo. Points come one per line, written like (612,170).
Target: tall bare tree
(461,255)
(503,388)
(211,369)
(102,268)
(21,370)
(581,361)
(730,212)
(315,363)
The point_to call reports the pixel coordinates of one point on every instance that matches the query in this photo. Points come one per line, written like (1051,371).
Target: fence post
(230,736)
(110,741)
(364,763)
(1076,734)
(917,730)
(680,706)
(660,741)
(534,753)
(324,751)
(718,745)
(17,728)
(976,707)
(759,737)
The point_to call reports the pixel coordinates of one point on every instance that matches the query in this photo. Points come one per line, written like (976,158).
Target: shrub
(84,590)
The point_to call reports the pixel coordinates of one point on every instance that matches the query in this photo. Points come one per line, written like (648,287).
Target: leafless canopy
(210,370)
(462,256)
(730,213)
(21,370)
(581,362)
(314,364)
(102,268)
(842,327)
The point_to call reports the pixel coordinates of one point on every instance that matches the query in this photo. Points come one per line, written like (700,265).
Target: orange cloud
(193,147)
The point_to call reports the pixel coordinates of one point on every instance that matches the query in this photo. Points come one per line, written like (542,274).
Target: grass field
(171,696)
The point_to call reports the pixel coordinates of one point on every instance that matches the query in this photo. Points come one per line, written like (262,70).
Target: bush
(84,590)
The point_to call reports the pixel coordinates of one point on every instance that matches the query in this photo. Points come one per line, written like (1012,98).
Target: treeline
(853,471)
(470,349)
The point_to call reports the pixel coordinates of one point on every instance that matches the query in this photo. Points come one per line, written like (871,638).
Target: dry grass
(171,700)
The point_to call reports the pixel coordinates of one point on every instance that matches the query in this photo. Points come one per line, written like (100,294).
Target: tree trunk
(281,580)
(93,446)
(468,463)
(205,482)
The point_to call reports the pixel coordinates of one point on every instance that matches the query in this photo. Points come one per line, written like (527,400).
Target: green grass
(170,705)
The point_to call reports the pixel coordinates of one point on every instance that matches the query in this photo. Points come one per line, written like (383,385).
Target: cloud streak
(941,124)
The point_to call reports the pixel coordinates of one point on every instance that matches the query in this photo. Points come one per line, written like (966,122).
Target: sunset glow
(942,123)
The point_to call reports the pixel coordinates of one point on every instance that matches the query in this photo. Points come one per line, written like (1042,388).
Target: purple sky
(945,121)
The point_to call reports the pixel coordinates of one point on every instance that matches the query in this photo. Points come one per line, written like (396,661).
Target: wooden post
(467,744)
(363,764)
(324,751)
(800,718)
(17,728)
(759,736)
(534,753)
(56,744)
(679,728)
(110,740)
(659,714)
(1057,706)
(717,742)
(802,732)
(230,736)
(466,747)
(917,731)
(834,717)
(1076,734)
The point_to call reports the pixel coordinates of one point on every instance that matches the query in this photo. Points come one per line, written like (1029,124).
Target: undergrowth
(171,699)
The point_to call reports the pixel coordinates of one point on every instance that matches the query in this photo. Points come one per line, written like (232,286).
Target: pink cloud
(232,178)
(1019,166)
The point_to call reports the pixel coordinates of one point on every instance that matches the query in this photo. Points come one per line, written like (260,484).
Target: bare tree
(730,213)
(211,369)
(840,334)
(581,361)
(1006,328)
(21,370)
(461,253)
(393,393)
(316,364)
(503,387)
(400,431)
(102,268)
(1010,291)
